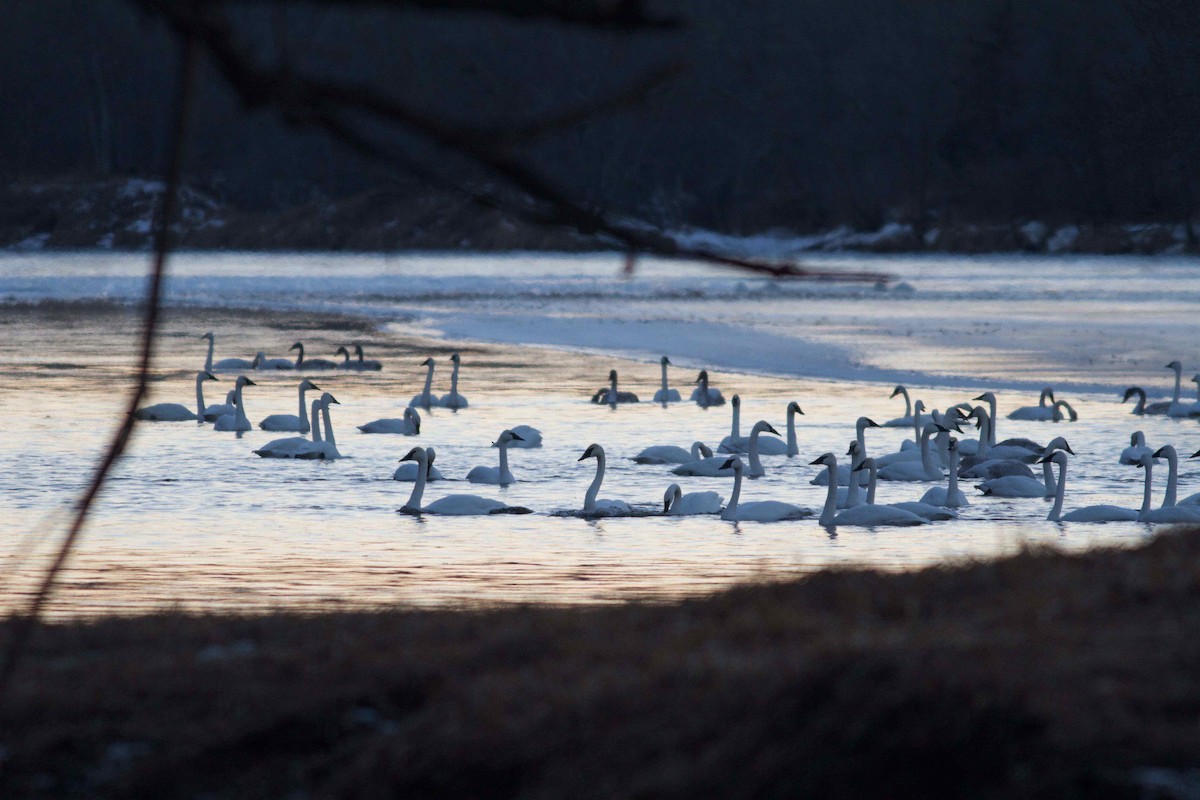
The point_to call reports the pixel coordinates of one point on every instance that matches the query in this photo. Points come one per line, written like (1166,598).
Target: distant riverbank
(116,213)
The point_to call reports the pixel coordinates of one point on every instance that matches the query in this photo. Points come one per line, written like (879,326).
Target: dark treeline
(801,114)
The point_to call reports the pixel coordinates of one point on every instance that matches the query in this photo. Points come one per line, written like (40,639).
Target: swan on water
(407,471)
(237,421)
(208,365)
(601,507)
(1021,485)
(905,421)
(530,437)
(610,395)
(299,447)
(865,515)
(220,409)
(709,466)
(666,394)
(261,362)
(760,427)
(409,425)
(365,364)
(949,496)
(923,470)
(990,399)
(297,423)
(458,505)
(678,504)
(225,364)
(176,412)
(1169,512)
(1132,455)
(852,494)
(672,454)
(704,395)
(501,475)
(425,399)
(1039,413)
(758,511)
(843,472)
(1177,408)
(1142,407)
(736,443)
(311,363)
(346,362)
(454,399)
(923,510)
(1097,513)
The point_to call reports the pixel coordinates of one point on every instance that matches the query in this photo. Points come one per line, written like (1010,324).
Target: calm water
(194,519)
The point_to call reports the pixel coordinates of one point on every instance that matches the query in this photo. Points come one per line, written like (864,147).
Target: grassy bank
(1042,675)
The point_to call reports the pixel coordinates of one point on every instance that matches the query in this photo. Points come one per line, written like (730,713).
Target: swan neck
(200,397)
(1059,493)
(425,393)
(756,467)
(454,380)
(1048,478)
(737,423)
(1147,488)
(414,499)
(872,478)
(992,421)
(926,456)
(300,365)
(589,499)
(302,414)
(316,421)
(1140,408)
(793,447)
(1172,479)
(208,358)
(241,407)
(985,437)
(328,428)
(952,491)
(856,479)
(830,510)
(907,402)
(505,475)
(736,496)
(664,381)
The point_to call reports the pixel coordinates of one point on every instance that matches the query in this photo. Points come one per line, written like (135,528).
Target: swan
(1177,408)
(848,495)
(407,471)
(793,447)
(208,367)
(843,472)
(864,515)
(176,412)
(346,362)
(237,421)
(949,496)
(1039,413)
(923,470)
(409,425)
(225,364)
(672,454)
(736,443)
(1020,485)
(287,422)
(458,505)
(496,476)
(990,399)
(1142,407)
(312,363)
(708,466)
(760,427)
(219,409)
(365,364)
(907,419)
(678,504)
(923,510)
(1169,512)
(328,447)
(1070,414)
(298,446)
(1098,513)
(425,399)
(610,395)
(705,395)
(1132,455)
(530,437)
(759,511)
(261,362)
(665,394)
(1168,452)
(454,399)
(593,506)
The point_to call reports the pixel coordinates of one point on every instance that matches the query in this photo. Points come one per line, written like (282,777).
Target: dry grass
(1042,675)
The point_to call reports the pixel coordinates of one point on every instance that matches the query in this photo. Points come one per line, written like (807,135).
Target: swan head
(307,385)
(866,422)
(987,397)
(208,335)
(736,400)
(1175,365)
(827,460)
(867,464)
(734,463)
(702,377)
(1166,451)
(244,381)
(762,426)
(456,358)
(794,408)
(1133,391)
(426,363)
(416,454)
(952,445)
(918,407)
(430,455)
(897,390)
(297,346)
(1057,457)
(207,376)
(664,361)
(593,451)
(853,447)
(1059,443)
(341,351)
(358,351)
(327,398)
(612,374)
(672,494)
(505,437)
(1137,438)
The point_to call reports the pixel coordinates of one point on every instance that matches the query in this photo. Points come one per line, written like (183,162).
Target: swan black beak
(872,424)
(334,400)
(1195,454)
(818,462)
(1067,447)
(208,376)
(981,397)
(728,464)
(772,430)
(895,392)
(313,385)
(412,455)
(249,383)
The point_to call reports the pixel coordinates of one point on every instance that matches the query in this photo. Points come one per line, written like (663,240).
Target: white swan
(990,399)
(1178,408)
(678,504)
(530,437)
(1141,406)
(1132,455)
(456,505)
(599,507)
(793,447)
(950,495)
(705,395)
(1021,486)
(409,425)
(923,510)
(923,470)
(708,466)
(454,399)
(851,495)
(225,364)
(311,363)
(237,421)
(756,443)
(1039,413)
(407,471)
(610,395)
(297,423)
(220,409)
(365,364)
(1169,512)
(865,515)
(843,472)
(907,420)
(672,454)
(758,511)
(1097,513)
(666,394)
(496,476)
(298,446)
(261,362)
(328,447)
(1169,453)
(1059,416)
(425,399)
(736,443)
(176,412)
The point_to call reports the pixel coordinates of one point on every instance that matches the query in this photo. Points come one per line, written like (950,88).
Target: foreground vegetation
(1042,675)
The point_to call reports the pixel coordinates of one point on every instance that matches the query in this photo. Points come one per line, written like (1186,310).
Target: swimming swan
(407,471)
(454,399)
(843,472)
(409,425)
(1132,455)
(793,447)
(496,476)
(666,394)
(758,511)
(1142,407)
(704,395)
(365,365)
(287,422)
(1021,485)
(709,466)
(949,496)
(596,507)
(176,412)
(672,454)
(301,448)
(923,470)
(907,420)
(1097,513)
(610,395)
(1177,408)
(237,421)
(312,363)
(261,362)
(425,399)
(225,364)
(1039,413)
(455,505)
(220,409)
(865,515)
(922,510)
(736,443)
(678,504)
(1169,512)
